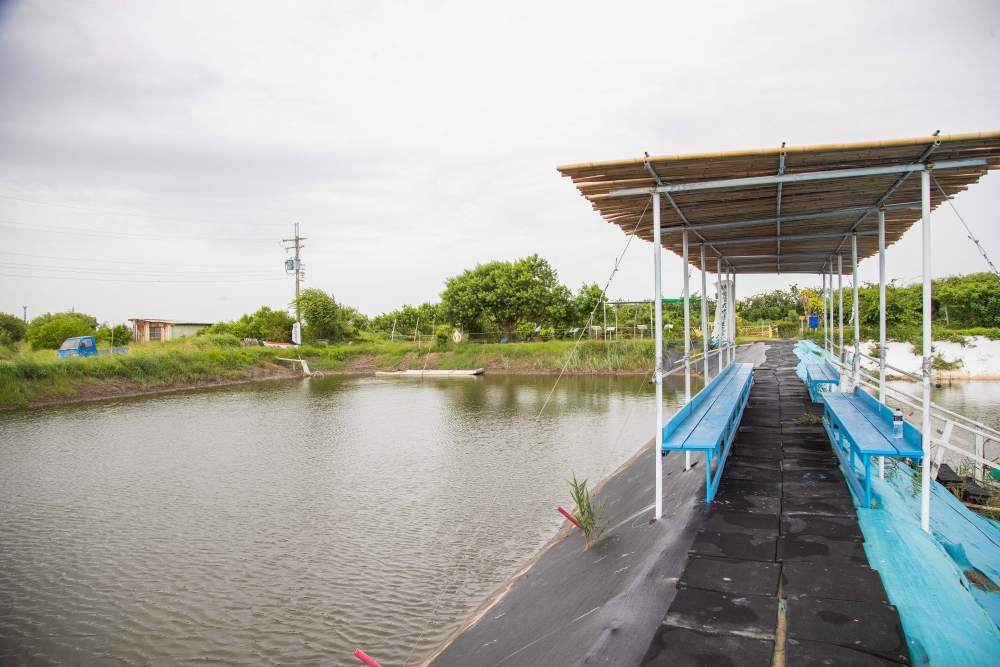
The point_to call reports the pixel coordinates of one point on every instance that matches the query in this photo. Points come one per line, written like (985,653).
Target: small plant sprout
(587,515)
(808,420)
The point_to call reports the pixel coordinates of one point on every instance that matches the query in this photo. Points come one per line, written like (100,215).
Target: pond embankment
(37,378)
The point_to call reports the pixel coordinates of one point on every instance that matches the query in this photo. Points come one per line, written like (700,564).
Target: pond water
(289,522)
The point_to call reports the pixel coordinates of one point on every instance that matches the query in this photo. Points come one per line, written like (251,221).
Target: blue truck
(84,346)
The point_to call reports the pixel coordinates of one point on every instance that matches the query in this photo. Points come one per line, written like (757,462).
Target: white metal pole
(823,290)
(732,351)
(881,322)
(833,329)
(856,311)
(718,274)
(687,333)
(729,311)
(925,429)
(881,305)
(658,371)
(704,313)
(840,302)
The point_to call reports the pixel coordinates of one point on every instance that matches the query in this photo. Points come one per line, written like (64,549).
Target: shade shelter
(789,210)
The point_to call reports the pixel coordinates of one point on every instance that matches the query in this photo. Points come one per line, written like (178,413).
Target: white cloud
(413,140)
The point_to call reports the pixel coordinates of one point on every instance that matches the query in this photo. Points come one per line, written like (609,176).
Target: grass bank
(29,378)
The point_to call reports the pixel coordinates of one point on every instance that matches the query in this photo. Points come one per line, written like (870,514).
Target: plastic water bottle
(897,423)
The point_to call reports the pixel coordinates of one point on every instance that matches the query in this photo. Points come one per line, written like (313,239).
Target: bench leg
(709,491)
(868,482)
(881,467)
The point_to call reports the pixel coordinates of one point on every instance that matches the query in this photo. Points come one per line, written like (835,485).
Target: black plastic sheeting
(599,606)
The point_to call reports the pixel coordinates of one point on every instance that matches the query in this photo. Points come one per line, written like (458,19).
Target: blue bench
(708,423)
(820,374)
(861,427)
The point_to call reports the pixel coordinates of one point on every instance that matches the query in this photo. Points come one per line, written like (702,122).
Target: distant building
(144,331)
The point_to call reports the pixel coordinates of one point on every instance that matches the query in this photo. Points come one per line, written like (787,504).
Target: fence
(761,331)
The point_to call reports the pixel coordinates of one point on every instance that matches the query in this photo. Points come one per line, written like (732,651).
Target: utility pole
(296,265)
(25,314)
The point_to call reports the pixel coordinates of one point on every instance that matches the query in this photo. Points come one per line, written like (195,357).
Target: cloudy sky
(153,155)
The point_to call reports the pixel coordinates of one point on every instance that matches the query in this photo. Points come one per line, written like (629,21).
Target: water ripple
(284,523)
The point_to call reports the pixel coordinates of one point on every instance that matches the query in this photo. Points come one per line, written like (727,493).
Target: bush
(119,335)
(265,324)
(12,329)
(48,331)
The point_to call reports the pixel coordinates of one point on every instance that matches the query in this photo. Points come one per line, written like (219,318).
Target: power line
(140,215)
(114,261)
(20,266)
(28,227)
(119,280)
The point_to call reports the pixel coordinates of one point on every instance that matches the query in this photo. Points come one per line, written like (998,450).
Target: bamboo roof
(745,225)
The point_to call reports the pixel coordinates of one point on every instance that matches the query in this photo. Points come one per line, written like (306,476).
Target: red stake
(569,516)
(360,655)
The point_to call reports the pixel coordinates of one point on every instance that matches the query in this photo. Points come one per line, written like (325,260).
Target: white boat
(416,373)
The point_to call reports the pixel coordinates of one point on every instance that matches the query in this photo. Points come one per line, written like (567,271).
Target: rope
(524,444)
(982,251)
(624,424)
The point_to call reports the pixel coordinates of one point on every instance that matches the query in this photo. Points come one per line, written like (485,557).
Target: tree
(407,317)
(12,329)
(325,318)
(505,294)
(586,300)
(265,324)
(48,331)
(768,306)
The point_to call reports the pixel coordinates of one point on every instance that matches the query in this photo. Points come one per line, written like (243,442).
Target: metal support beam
(687,337)
(704,313)
(855,313)
(881,317)
(658,352)
(799,237)
(921,160)
(718,297)
(800,178)
(832,327)
(794,218)
(840,302)
(777,212)
(732,312)
(925,429)
(732,350)
(823,290)
(684,220)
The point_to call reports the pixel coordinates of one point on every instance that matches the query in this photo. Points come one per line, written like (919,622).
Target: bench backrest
(696,400)
(910,432)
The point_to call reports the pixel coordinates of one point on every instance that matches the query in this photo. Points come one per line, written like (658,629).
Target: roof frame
(800,178)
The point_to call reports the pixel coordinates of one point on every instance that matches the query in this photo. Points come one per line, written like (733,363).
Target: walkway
(778,573)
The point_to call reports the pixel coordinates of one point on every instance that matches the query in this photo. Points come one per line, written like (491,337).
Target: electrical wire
(982,251)
(119,280)
(27,227)
(128,272)
(141,215)
(118,261)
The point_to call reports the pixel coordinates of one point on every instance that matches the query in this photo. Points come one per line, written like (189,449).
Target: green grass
(27,376)
(629,356)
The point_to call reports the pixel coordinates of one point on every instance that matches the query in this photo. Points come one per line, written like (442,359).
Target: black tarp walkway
(778,573)
(778,555)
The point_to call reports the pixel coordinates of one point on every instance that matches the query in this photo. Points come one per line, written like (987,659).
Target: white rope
(982,251)
(520,451)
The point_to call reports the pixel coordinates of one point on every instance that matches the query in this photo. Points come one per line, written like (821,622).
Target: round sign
(457,336)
